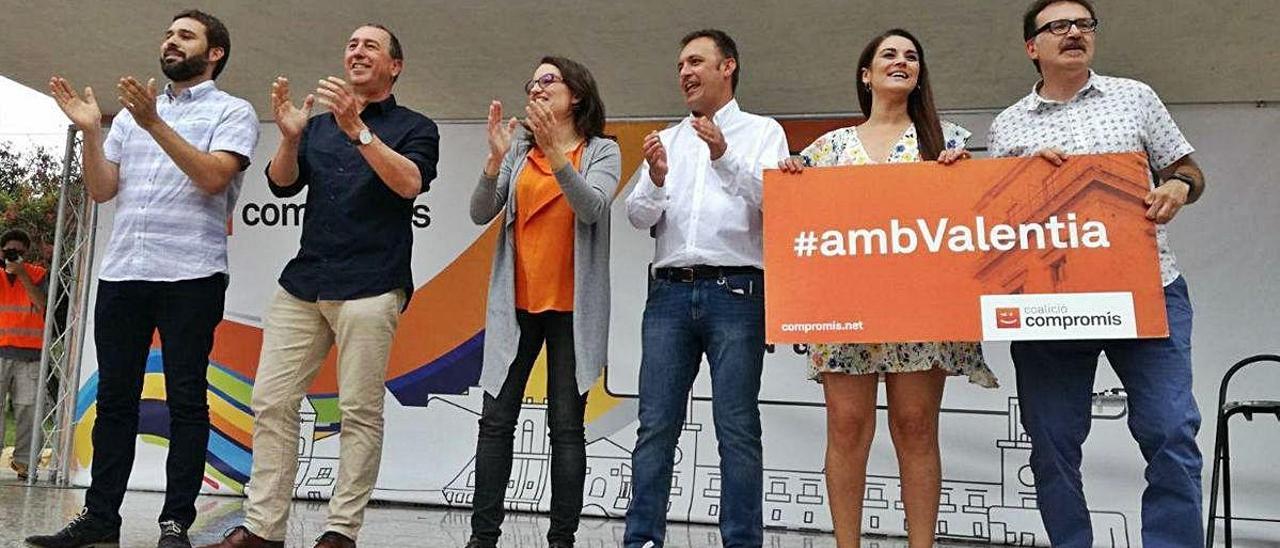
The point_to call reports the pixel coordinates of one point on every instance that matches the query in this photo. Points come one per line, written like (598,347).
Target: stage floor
(34,510)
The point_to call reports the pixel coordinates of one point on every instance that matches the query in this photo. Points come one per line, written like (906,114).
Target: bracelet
(1191,182)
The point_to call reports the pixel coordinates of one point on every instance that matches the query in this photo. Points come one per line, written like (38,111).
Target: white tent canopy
(797,57)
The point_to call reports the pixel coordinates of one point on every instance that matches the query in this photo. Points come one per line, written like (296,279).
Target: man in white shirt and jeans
(173,162)
(700,192)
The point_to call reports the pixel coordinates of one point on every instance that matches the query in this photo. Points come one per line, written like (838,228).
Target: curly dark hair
(16,234)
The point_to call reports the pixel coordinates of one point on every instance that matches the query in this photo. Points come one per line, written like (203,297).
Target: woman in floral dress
(902,126)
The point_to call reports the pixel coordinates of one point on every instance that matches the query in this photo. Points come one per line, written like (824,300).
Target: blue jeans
(723,318)
(1055,384)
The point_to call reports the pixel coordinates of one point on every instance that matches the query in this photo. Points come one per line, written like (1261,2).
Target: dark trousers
(127,314)
(564,417)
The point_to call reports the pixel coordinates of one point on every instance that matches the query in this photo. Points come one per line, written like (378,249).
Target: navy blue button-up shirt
(356,234)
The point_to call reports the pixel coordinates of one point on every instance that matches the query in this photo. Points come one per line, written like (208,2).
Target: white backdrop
(1227,248)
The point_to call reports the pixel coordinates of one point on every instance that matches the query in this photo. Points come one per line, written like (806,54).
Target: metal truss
(66,319)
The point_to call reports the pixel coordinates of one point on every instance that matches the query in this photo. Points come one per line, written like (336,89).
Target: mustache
(1072,43)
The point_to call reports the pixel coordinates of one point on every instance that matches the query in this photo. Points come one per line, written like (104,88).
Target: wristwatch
(365,137)
(1191,183)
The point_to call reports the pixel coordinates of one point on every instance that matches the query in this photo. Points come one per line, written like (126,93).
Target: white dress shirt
(708,212)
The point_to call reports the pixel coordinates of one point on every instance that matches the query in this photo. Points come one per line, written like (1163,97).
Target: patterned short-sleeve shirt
(1107,115)
(166,228)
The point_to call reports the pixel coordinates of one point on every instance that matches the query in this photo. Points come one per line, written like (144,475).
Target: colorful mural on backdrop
(433,404)
(446,362)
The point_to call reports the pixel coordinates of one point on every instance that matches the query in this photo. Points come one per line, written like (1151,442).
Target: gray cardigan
(589,194)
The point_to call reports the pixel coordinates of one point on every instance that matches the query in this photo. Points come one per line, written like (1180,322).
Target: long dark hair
(919,103)
(588,113)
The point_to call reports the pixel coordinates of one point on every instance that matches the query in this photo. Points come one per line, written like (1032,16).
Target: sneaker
(173,535)
(476,543)
(84,531)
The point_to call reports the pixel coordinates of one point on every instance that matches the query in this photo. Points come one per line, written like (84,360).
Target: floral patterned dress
(841,148)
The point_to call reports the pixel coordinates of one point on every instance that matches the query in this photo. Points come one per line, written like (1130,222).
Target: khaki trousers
(19,382)
(296,338)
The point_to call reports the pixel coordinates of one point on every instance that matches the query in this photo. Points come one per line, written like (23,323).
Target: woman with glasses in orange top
(550,284)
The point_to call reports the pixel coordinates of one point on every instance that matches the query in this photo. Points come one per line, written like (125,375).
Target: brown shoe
(331,539)
(240,537)
(20,469)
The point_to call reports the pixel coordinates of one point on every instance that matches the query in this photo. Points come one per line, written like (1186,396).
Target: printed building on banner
(1105,191)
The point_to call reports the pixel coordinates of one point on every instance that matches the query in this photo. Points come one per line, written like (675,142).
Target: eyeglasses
(542,82)
(1060,27)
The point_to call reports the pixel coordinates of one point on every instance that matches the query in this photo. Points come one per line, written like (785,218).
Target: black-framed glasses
(1060,27)
(542,82)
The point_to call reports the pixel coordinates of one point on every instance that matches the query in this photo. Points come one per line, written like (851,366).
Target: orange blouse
(543,237)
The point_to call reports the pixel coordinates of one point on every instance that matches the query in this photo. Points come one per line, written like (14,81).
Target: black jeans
(127,314)
(565,408)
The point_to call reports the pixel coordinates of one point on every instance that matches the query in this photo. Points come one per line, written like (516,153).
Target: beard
(189,67)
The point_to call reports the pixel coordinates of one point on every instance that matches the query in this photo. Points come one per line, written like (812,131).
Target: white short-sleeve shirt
(166,228)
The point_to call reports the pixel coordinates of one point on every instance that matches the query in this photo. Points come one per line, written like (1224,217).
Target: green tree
(29,187)
(30,183)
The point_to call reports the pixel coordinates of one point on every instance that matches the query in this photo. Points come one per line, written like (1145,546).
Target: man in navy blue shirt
(365,161)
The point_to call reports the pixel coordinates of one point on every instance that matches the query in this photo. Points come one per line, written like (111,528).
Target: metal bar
(51,306)
(1226,479)
(1214,482)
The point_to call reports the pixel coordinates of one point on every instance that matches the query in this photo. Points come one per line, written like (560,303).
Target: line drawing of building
(999,510)
(607,489)
(317,459)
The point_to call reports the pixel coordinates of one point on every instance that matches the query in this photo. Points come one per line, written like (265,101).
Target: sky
(30,118)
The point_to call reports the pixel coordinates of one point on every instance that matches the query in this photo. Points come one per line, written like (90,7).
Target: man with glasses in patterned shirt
(1074,110)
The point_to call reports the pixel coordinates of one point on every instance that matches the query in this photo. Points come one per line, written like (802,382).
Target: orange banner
(1000,249)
